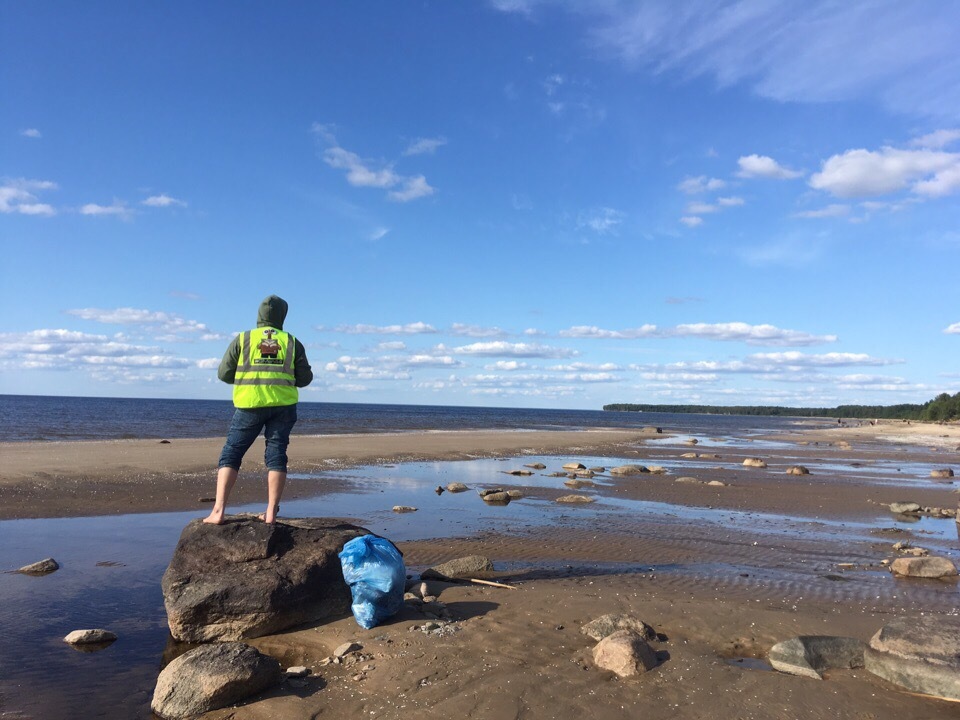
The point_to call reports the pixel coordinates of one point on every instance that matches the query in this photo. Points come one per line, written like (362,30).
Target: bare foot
(215,517)
(270,517)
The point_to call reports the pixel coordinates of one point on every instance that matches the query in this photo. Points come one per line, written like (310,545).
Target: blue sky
(507,203)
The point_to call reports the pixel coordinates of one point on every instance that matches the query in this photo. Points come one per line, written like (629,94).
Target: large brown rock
(211,677)
(810,655)
(245,578)
(921,654)
(625,652)
(923,567)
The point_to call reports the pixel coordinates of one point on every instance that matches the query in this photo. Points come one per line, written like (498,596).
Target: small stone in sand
(942,473)
(626,653)
(346,649)
(923,567)
(798,470)
(297,671)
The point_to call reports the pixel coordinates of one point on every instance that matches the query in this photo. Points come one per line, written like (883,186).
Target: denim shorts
(275,423)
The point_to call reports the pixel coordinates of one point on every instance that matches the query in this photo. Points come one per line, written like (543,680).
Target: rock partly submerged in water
(92,636)
(921,654)
(212,677)
(754,463)
(457,487)
(245,578)
(628,470)
(41,567)
(904,508)
(575,499)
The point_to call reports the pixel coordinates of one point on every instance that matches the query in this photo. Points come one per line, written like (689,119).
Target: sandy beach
(723,572)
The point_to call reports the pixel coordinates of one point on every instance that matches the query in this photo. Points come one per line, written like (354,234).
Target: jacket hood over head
(272,313)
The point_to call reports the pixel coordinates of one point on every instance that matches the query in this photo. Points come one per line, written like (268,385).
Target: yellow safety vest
(265,369)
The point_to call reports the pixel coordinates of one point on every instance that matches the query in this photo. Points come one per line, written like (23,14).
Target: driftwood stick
(492,583)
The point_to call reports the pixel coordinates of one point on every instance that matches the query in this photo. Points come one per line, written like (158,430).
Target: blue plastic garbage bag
(374,570)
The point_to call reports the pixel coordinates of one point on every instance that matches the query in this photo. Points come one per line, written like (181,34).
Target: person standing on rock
(265,366)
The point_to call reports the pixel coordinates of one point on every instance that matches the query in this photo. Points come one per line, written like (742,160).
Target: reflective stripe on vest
(265,375)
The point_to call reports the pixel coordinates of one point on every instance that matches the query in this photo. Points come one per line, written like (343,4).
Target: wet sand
(722,593)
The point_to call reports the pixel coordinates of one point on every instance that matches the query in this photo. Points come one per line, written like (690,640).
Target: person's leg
(244,429)
(226,479)
(276,479)
(277,437)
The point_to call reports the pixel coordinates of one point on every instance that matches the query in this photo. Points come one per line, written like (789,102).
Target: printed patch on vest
(269,348)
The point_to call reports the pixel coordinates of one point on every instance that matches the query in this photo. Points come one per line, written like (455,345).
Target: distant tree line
(942,408)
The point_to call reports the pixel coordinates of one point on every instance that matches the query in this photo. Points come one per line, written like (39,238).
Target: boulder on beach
(498,497)
(245,578)
(923,567)
(625,653)
(605,625)
(754,463)
(688,480)
(457,487)
(629,470)
(904,508)
(920,654)
(798,470)
(41,567)
(574,466)
(212,677)
(810,655)
(941,473)
(576,483)
(465,567)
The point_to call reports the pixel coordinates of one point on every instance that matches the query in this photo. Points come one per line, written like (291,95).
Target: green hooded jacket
(272,313)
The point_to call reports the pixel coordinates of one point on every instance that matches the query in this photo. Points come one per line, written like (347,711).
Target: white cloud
(815,51)
(691,221)
(427,146)
(586,367)
(761,166)
(208,363)
(413,188)
(390,346)
(171,324)
(732,201)
(103,357)
(361,368)
(865,173)
(415,328)
(830,211)
(18,196)
(31,133)
(953,329)
(118,209)
(602,221)
(701,208)
(700,184)
(506,349)
(370,174)
(507,366)
(427,361)
(163,200)
(534,332)
(732,331)
(379,233)
(476,331)
(937,140)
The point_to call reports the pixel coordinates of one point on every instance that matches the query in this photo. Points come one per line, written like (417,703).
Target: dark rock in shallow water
(42,567)
(245,578)
(211,677)
(921,654)
(810,655)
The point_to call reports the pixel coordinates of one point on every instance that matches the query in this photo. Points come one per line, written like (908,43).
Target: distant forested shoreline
(942,408)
